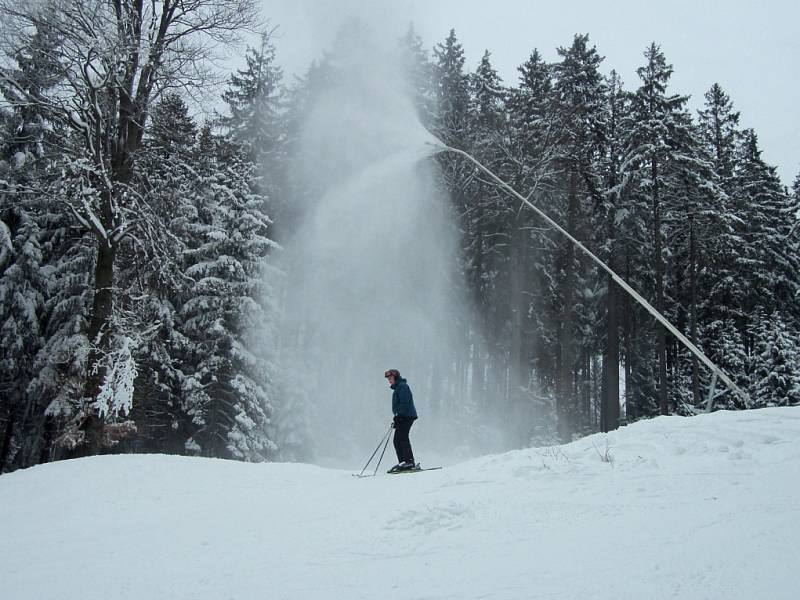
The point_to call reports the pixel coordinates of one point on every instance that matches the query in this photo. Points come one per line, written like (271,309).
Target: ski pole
(384,450)
(385,437)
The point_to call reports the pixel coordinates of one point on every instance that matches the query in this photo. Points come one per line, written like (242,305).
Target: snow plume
(372,270)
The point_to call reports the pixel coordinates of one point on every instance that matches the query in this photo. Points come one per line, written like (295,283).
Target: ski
(414,470)
(397,472)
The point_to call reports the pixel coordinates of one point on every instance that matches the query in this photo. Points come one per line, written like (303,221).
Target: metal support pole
(710,401)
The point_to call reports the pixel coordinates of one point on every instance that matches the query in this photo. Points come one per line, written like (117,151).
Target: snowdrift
(707,507)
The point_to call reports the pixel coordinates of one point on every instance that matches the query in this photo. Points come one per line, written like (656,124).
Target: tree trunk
(693,310)
(517,306)
(661,339)
(610,395)
(9,430)
(588,391)
(609,413)
(597,385)
(99,326)
(565,396)
(47,450)
(478,384)
(630,406)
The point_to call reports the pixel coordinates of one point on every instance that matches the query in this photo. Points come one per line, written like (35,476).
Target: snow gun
(717,373)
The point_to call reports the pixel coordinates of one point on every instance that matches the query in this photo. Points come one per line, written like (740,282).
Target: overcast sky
(751,48)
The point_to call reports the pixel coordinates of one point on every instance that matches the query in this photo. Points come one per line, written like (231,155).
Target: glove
(393,425)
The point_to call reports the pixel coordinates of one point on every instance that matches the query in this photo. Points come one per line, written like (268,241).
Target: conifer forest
(147,195)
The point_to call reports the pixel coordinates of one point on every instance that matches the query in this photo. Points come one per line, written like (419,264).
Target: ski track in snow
(699,508)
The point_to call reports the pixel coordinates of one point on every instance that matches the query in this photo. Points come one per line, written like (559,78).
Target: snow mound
(706,507)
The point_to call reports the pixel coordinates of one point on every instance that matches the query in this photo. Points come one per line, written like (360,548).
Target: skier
(404,416)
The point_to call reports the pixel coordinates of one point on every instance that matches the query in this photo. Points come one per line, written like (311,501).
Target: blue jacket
(403,400)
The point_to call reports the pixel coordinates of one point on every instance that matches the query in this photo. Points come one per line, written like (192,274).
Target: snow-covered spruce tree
(172,136)
(487,100)
(719,134)
(655,128)
(776,354)
(719,130)
(23,291)
(533,127)
(726,283)
(28,279)
(723,343)
(451,85)
(418,74)
(59,367)
(257,124)
(487,222)
(613,212)
(60,364)
(254,99)
(452,91)
(794,222)
(695,222)
(484,205)
(114,60)
(531,149)
(31,74)
(769,271)
(579,90)
(256,102)
(227,389)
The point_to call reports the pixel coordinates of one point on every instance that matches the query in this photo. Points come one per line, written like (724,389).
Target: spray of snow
(372,268)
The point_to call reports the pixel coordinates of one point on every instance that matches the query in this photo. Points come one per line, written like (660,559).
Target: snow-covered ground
(707,507)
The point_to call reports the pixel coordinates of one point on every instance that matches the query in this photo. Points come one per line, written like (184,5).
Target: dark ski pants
(402,445)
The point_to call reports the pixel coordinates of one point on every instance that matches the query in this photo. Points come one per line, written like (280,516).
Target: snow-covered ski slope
(707,507)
